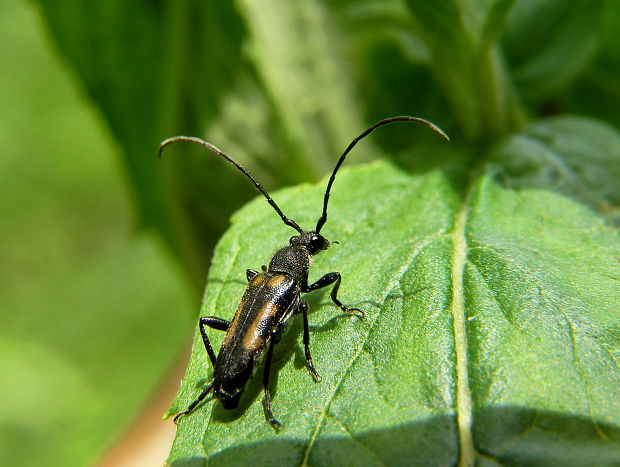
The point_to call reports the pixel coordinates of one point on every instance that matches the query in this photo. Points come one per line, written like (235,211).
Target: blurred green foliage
(283,87)
(92,314)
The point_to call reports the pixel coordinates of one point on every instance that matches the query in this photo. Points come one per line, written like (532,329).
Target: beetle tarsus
(275,424)
(313,372)
(354,311)
(269,413)
(179,415)
(193,405)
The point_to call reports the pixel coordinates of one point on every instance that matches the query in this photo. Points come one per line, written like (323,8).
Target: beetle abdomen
(268,303)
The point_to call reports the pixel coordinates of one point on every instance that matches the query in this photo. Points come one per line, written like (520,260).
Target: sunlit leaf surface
(490,331)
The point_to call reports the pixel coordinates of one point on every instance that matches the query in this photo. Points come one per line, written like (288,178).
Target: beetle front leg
(303,309)
(327,279)
(251,274)
(266,373)
(214,323)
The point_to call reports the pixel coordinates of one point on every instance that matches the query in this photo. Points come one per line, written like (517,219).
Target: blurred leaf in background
(284,87)
(160,68)
(92,314)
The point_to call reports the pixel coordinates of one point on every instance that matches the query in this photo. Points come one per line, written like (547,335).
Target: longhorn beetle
(272,297)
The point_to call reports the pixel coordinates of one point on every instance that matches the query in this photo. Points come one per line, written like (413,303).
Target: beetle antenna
(219,152)
(433,127)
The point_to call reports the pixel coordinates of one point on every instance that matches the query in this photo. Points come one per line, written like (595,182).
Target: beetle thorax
(292,260)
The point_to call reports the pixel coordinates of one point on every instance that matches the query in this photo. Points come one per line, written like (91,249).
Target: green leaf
(300,58)
(461,38)
(138,63)
(577,157)
(89,314)
(543,329)
(491,324)
(548,42)
(156,69)
(597,91)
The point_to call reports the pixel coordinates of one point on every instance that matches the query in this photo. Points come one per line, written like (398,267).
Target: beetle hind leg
(214,323)
(303,309)
(267,403)
(193,405)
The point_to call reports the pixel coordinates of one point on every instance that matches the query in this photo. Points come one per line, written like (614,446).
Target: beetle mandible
(272,297)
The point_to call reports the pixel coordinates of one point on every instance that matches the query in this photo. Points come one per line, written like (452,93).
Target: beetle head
(311,241)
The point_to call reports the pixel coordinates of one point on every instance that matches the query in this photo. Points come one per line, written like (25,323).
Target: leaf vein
(552,302)
(463,397)
(355,440)
(391,286)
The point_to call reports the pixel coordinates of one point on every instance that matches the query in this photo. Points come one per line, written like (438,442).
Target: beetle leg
(303,309)
(274,423)
(215,323)
(327,279)
(193,405)
(251,274)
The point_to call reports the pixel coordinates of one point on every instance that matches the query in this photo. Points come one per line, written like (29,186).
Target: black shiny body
(271,300)
(265,312)
(272,297)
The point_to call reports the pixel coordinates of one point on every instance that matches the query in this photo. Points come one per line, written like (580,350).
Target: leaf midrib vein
(463,396)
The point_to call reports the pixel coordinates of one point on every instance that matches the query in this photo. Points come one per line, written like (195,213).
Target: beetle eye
(318,243)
